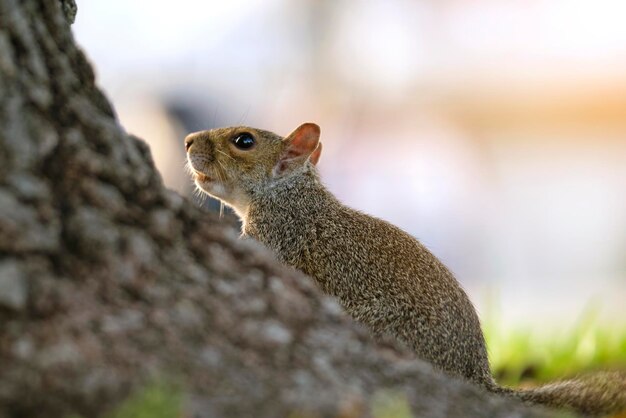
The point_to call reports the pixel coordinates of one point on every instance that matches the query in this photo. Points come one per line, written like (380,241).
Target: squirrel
(382,276)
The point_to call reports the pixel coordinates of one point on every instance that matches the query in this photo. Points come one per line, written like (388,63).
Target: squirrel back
(382,276)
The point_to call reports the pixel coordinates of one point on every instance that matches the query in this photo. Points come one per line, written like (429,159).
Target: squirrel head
(233,164)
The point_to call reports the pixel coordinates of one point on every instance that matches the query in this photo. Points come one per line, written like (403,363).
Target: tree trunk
(109,281)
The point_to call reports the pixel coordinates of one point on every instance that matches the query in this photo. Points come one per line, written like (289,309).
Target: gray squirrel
(382,276)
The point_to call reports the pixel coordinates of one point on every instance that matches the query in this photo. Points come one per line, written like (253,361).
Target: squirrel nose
(189,142)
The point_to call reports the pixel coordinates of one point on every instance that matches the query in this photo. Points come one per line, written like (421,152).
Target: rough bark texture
(108,280)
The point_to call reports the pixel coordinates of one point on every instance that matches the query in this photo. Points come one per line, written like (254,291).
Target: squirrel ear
(302,144)
(315,155)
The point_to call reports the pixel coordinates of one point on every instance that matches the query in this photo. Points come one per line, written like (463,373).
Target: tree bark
(109,281)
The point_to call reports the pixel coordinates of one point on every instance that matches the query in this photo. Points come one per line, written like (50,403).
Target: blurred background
(492,130)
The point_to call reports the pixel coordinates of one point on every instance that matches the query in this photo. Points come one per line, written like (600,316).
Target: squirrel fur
(382,276)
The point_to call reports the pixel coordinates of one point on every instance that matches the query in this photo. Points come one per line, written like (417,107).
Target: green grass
(157,400)
(390,404)
(522,355)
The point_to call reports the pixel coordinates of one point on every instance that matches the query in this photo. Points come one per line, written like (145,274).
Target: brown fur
(382,276)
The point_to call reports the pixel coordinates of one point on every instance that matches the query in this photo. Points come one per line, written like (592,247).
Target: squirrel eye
(244,141)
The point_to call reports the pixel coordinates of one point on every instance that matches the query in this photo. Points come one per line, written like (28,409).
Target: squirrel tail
(597,394)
